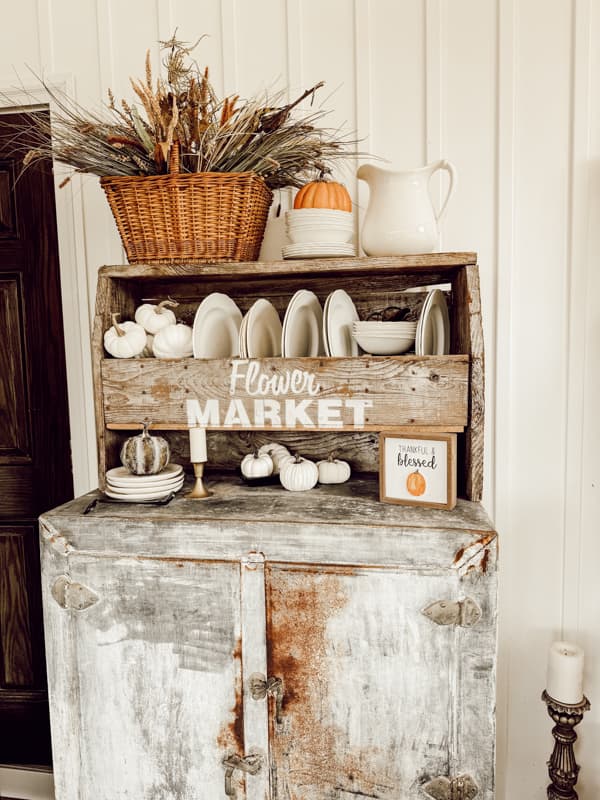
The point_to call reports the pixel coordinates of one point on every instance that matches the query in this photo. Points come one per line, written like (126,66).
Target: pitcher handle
(451,170)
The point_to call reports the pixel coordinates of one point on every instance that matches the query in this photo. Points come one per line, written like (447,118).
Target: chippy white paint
(327,590)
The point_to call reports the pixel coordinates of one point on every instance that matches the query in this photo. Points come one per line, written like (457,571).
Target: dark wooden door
(35,458)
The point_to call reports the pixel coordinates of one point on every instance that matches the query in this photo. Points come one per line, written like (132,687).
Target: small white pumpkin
(298,474)
(277,452)
(145,454)
(333,470)
(124,339)
(155,318)
(174,341)
(257,465)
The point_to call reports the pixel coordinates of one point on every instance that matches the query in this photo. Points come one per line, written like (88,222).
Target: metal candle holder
(562,767)
(199,492)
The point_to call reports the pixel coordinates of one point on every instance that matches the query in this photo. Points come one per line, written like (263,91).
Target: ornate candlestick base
(562,767)
(199,492)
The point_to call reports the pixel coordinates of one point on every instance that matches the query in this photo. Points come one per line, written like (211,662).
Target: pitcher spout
(367,172)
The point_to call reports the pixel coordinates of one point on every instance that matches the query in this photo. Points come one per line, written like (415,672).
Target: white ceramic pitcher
(400,218)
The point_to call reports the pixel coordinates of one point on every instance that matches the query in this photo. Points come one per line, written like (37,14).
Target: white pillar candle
(198,445)
(565,673)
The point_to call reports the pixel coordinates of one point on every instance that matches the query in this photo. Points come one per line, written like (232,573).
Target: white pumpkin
(332,470)
(257,465)
(298,474)
(155,318)
(124,339)
(277,452)
(174,341)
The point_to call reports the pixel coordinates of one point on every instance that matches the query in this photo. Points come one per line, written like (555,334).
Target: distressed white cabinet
(265,644)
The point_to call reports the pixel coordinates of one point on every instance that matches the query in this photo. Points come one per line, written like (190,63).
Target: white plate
(122,477)
(216,327)
(243,346)
(433,328)
(264,330)
(133,498)
(325,336)
(340,314)
(161,489)
(318,250)
(302,326)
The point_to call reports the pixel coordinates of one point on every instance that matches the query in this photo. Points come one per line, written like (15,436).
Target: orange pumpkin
(323,194)
(416,484)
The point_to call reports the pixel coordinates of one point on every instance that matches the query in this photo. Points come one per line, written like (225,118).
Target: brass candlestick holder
(199,492)
(562,767)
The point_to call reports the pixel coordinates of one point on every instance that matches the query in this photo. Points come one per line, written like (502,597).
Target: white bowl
(384,345)
(395,328)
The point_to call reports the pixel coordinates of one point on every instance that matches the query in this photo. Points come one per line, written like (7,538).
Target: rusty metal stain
(312,757)
(231,735)
(474,556)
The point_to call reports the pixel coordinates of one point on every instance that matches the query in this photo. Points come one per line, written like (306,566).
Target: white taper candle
(565,673)
(198,445)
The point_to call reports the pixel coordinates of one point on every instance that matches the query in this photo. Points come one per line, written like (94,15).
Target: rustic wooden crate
(412,393)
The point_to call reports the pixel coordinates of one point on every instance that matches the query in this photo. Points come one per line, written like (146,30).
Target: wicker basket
(190,217)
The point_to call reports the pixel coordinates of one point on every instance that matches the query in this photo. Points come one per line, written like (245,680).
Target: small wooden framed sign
(418,470)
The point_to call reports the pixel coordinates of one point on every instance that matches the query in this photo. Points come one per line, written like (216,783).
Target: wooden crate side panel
(390,391)
(467,337)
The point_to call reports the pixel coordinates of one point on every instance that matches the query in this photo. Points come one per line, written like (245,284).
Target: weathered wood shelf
(431,393)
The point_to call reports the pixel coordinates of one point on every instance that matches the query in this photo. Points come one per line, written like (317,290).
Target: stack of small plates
(319,233)
(122,485)
(384,338)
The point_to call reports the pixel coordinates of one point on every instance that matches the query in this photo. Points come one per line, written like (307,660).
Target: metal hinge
(251,764)
(465,613)
(260,687)
(462,787)
(71,595)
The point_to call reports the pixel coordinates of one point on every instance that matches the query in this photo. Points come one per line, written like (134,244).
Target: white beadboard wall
(509,90)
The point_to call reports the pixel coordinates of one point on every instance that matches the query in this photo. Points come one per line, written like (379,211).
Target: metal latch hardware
(72,596)
(465,613)
(260,687)
(462,787)
(252,764)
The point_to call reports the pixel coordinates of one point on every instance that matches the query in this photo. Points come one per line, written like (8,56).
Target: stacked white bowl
(319,231)
(384,338)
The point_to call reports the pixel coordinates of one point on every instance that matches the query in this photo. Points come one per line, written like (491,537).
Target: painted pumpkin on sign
(416,484)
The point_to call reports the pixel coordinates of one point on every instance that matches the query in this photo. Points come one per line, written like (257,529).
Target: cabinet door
(145,676)
(373,689)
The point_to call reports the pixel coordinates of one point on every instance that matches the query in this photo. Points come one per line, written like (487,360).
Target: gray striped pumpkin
(145,454)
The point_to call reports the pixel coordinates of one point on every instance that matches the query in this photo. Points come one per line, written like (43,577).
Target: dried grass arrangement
(181,110)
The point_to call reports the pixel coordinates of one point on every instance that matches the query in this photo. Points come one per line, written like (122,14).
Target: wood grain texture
(412,263)
(152,696)
(353,648)
(343,524)
(467,332)
(345,581)
(130,391)
(14,433)
(405,390)
(15,611)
